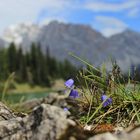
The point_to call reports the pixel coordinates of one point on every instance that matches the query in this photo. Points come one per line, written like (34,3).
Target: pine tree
(68,70)
(21,66)
(3,65)
(33,63)
(42,68)
(11,58)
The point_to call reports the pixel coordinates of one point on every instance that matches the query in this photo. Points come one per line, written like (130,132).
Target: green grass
(125,109)
(22,92)
(26,88)
(13,93)
(18,97)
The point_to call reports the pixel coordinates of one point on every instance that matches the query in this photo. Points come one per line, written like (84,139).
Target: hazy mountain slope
(82,40)
(125,48)
(79,39)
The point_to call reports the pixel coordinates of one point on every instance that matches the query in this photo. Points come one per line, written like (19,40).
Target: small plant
(7,85)
(73,92)
(105,97)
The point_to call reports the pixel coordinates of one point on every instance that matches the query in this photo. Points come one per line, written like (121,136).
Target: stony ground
(48,121)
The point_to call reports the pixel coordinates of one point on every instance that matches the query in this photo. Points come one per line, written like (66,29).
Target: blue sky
(107,16)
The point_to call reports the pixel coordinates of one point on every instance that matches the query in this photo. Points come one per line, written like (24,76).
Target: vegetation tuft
(107,97)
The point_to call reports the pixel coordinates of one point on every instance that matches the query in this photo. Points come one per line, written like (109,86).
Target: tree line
(33,67)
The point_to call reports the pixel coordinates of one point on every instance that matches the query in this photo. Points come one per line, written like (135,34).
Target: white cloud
(110,21)
(18,11)
(109,25)
(111,7)
(134,12)
(44,11)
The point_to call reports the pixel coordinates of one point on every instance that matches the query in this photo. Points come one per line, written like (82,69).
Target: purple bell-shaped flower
(74,93)
(66,109)
(69,83)
(107,102)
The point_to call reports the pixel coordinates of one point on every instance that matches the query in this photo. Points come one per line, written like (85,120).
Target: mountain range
(82,40)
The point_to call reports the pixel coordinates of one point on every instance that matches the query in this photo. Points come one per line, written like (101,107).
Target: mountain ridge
(82,40)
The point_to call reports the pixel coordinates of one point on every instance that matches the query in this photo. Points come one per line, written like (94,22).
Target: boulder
(5,112)
(51,122)
(52,99)
(45,122)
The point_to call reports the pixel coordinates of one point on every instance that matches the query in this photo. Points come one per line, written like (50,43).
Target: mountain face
(81,40)
(78,39)
(125,47)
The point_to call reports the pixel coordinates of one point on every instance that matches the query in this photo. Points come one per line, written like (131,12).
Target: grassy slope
(26,88)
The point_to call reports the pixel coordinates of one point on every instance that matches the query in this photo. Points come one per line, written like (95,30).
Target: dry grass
(26,88)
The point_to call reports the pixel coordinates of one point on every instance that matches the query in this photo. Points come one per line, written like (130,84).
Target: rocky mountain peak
(82,40)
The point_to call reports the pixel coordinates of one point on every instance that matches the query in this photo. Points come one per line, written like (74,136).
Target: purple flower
(74,94)
(66,109)
(69,83)
(107,102)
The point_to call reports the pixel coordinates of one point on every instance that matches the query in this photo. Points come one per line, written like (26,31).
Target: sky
(106,16)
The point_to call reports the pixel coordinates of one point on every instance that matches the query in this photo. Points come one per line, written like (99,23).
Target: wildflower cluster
(73,92)
(106,97)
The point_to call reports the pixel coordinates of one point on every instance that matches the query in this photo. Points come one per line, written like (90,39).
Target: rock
(52,99)
(50,122)
(135,134)
(29,105)
(5,112)
(11,129)
(132,135)
(105,136)
(46,122)
(10,124)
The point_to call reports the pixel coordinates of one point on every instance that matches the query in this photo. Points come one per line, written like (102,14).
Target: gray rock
(49,122)
(132,135)
(5,112)
(135,134)
(106,136)
(46,122)
(11,129)
(52,99)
